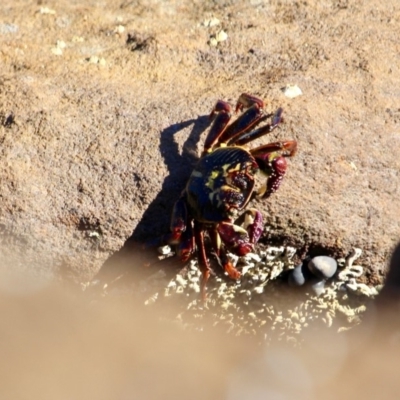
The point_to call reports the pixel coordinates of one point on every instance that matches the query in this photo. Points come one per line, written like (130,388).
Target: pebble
(292,91)
(299,275)
(221,36)
(322,267)
(318,286)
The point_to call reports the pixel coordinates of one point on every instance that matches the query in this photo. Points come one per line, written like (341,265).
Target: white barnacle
(290,252)
(193,265)
(353,271)
(222,289)
(251,257)
(259,289)
(252,315)
(361,288)
(164,250)
(171,284)
(181,281)
(294,316)
(329,319)
(277,269)
(195,287)
(346,310)
(356,253)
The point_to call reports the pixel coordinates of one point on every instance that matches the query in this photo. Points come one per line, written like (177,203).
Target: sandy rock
(98,153)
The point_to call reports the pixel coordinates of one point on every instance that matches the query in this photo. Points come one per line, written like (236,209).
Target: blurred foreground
(58,344)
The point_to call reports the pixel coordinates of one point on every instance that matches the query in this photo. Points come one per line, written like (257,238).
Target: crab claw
(240,240)
(279,166)
(235,238)
(271,159)
(220,107)
(253,223)
(247,100)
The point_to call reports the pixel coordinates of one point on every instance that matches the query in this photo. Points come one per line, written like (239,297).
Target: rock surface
(103,109)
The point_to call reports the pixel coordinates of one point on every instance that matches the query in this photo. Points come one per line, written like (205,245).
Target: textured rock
(98,138)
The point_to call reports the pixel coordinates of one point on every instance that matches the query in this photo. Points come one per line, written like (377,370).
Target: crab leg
(253,116)
(288,147)
(250,118)
(186,246)
(249,136)
(204,264)
(177,227)
(221,114)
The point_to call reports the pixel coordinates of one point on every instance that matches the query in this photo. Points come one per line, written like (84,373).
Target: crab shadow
(133,260)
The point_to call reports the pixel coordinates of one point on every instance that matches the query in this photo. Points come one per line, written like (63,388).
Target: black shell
(221,184)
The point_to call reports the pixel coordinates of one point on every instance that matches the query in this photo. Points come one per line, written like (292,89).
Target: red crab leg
(251,117)
(272,162)
(288,147)
(186,246)
(204,265)
(247,137)
(221,114)
(178,225)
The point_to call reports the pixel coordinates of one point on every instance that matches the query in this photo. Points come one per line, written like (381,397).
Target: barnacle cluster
(262,303)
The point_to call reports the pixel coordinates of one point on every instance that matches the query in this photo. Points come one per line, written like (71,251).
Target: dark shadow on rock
(132,260)
(388,301)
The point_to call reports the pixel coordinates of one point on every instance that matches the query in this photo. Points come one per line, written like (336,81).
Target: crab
(223,183)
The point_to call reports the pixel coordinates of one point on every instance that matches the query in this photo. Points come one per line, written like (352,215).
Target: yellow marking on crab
(211,179)
(261,191)
(214,174)
(224,168)
(228,188)
(235,168)
(218,241)
(248,218)
(239,229)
